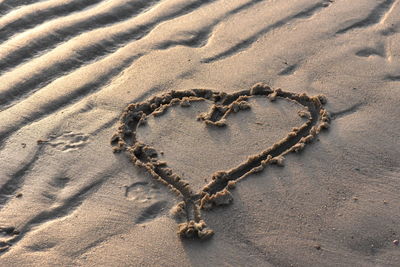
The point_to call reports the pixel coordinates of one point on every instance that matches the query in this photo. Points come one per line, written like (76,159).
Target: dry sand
(69,68)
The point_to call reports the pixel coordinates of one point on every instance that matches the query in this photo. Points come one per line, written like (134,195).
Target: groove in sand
(216,192)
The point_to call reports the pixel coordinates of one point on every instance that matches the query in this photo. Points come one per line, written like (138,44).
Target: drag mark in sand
(242,45)
(60,209)
(378,14)
(216,192)
(393,78)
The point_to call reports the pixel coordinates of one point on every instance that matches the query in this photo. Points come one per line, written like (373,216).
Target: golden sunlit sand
(205,101)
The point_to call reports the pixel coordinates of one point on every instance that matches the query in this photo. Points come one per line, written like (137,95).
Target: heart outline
(216,192)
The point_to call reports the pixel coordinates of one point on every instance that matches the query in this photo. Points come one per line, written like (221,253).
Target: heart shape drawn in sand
(216,192)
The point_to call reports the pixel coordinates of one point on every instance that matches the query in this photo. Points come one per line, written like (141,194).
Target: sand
(72,193)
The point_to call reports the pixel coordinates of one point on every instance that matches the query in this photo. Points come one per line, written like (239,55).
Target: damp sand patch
(244,132)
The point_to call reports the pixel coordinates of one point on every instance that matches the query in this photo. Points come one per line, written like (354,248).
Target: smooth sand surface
(69,68)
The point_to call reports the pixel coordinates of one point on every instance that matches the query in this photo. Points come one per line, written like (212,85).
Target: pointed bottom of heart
(193,229)
(148,128)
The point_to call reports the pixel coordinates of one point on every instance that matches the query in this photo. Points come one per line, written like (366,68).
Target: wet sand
(131,133)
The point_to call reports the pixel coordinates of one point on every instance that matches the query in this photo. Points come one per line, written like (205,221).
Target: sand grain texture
(69,68)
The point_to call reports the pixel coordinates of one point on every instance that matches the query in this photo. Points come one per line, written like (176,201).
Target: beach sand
(82,184)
